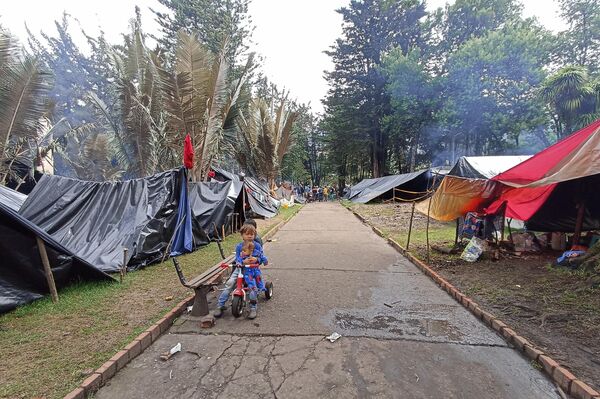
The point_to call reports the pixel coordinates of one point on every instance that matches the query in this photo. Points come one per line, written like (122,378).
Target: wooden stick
(412,214)
(47,269)
(124,266)
(578,223)
(223,230)
(456,232)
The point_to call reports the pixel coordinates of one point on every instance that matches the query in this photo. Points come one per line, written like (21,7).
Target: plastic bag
(473,250)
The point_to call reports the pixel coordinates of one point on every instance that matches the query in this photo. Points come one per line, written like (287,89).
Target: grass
(47,348)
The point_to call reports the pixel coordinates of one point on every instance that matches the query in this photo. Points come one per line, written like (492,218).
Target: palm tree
(24,87)
(573,98)
(202,99)
(135,124)
(265,137)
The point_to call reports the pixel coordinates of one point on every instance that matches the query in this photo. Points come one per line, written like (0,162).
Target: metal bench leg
(200,307)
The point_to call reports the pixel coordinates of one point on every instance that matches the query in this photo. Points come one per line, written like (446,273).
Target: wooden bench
(203,283)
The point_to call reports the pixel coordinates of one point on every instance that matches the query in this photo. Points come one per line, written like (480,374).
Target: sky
(290,35)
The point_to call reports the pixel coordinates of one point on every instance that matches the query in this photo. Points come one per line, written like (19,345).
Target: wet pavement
(402,336)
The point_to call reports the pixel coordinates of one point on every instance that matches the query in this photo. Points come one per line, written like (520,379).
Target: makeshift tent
(257,198)
(467,187)
(357,188)
(285,191)
(485,167)
(97,220)
(411,185)
(22,277)
(11,198)
(214,205)
(546,189)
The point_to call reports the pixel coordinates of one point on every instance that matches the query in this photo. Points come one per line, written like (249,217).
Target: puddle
(423,327)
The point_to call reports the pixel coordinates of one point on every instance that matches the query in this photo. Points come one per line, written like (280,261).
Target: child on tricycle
(246,276)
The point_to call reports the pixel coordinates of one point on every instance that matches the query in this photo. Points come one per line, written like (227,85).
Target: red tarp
(521,203)
(530,183)
(573,157)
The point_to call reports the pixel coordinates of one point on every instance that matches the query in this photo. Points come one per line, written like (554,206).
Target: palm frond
(23,92)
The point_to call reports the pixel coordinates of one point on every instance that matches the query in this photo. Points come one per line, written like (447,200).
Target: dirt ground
(556,309)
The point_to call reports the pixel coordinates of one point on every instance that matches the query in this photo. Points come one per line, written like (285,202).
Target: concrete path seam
(324,334)
(560,375)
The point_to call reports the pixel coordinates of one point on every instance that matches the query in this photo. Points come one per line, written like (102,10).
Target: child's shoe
(252,313)
(219,311)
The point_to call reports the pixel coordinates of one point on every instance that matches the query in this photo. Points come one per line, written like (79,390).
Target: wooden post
(223,230)
(124,265)
(427,228)
(412,214)
(579,222)
(243,200)
(456,232)
(47,269)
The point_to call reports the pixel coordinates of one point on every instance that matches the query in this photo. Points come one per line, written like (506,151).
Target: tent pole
(579,223)
(427,228)
(47,269)
(412,214)
(455,233)
(243,201)
(123,270)
(428,213)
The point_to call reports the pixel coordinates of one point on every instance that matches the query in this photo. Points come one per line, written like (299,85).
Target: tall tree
(414,99)
(212,21)
(370,29)
(491,88)
(580,44)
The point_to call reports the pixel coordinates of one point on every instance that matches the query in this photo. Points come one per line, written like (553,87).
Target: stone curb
(561,376)
(105,372)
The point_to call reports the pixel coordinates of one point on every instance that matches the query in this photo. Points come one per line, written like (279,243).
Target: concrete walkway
(332,273)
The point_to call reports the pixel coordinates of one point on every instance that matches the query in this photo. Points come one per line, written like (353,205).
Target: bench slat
(208,275)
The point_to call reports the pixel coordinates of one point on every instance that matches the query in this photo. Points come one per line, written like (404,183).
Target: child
(248,233)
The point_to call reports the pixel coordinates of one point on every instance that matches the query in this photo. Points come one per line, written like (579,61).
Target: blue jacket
(257,253)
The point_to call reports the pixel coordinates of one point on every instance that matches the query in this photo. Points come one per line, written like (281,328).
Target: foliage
(24,88)
(212,21)
(491,82)
(580,44)
(266,138)
(370,29)
(573,98)
(414,101)
(465,79)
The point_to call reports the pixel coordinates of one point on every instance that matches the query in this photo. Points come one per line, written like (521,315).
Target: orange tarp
(457,195)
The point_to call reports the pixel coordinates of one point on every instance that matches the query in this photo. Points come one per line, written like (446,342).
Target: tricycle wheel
(237,306)
(269,290)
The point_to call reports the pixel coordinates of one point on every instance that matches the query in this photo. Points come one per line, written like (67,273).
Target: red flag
(188,153)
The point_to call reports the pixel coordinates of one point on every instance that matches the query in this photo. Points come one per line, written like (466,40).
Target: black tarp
(11,198)
(485,167)
(22,277)
(96,220)
(358,187)
(413,184)
(213,205)
(259,198)
(559,212)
